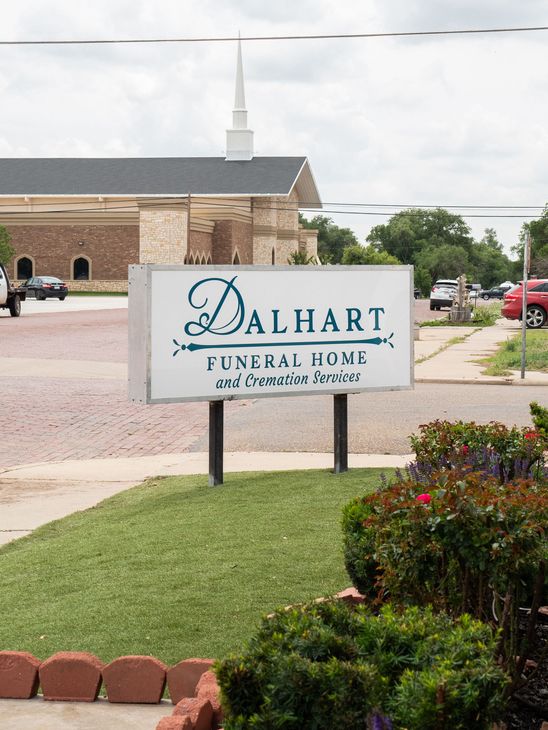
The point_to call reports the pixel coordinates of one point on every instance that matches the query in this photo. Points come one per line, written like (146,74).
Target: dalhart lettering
(223,312)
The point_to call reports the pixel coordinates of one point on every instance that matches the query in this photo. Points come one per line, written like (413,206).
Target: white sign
(213,333)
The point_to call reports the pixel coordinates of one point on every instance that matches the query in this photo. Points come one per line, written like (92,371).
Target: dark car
(496,292)
(537,303)
(41,287)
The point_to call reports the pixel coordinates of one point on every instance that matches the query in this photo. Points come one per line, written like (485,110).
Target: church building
(86,220)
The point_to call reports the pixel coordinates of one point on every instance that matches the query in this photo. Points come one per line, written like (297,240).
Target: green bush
(327,665)
(491,448)
(465,544)
(540,418)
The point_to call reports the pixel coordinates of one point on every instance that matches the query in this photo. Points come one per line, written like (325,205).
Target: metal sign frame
(140,306)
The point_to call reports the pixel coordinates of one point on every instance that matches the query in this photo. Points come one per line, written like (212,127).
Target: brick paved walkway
(55,418)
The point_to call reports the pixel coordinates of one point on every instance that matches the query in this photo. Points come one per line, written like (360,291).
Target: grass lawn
(508,357)
(175,568)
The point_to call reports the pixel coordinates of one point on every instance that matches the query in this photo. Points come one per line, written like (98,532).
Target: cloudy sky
(426,121)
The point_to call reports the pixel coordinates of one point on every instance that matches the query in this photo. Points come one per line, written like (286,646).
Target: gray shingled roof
(151,176)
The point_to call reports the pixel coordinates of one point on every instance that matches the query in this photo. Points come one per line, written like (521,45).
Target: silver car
(443,293)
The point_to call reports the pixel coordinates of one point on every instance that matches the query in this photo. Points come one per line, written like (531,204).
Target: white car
(443,293)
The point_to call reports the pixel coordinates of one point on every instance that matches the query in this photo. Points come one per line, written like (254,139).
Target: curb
(475,381)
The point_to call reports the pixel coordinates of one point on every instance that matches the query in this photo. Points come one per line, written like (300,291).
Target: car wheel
(486,297)
(432,307)
(15,306)
(62,299)
(39,295)
(535,318)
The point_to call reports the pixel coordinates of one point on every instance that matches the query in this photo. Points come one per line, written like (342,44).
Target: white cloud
(452,120)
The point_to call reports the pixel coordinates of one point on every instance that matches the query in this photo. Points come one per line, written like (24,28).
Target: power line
(307,37)
(166,204)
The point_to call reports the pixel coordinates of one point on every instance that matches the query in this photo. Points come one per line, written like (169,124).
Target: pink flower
(465,450)
(424,498)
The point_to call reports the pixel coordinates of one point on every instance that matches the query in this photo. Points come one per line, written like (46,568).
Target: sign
(216,333)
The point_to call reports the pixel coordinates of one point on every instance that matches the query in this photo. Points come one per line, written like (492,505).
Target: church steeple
(239,139)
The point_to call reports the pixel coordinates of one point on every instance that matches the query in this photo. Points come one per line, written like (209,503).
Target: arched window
(208,262)
(236,259)
(273,256)
(24,268)
(81,268)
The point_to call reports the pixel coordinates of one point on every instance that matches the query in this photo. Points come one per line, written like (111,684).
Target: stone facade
(163,232)
(224,231)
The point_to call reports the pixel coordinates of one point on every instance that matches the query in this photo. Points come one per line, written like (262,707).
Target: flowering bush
(492,449)
(477,546)
(328,665)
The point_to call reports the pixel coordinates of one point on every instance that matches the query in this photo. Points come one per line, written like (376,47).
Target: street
(63,384)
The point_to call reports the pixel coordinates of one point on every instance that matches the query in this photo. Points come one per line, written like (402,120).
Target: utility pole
(526,266)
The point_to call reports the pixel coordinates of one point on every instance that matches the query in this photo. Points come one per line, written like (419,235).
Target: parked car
(443,293)
(41,287)
(496,292)
(537,303)
(417,293)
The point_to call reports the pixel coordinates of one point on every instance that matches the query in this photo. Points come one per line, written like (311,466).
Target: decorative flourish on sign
(193,347)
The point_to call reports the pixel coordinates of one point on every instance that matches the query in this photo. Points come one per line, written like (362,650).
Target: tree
(332,240)
(410,231)
(443,261)
(538,231)
(6,249)
(491,240)
(359,254)
(300,258)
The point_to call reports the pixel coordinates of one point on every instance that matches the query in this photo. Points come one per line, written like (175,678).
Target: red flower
(465,450)
(424,498)
(531,435)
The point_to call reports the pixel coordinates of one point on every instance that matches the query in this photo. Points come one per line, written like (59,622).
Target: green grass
(175,568)
(484,316)
(508,357)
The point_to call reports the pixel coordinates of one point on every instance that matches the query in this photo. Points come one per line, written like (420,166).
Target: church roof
(159,176)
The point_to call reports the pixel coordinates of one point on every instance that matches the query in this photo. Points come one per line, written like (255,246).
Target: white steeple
(239,139)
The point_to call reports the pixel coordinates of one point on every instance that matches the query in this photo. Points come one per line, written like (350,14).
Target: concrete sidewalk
(35,494)
(458,363)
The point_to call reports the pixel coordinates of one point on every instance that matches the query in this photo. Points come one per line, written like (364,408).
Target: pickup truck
(10,296)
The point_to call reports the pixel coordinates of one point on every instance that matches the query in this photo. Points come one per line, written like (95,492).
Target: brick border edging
(132,679)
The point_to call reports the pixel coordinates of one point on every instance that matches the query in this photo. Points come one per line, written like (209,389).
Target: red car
(537,303)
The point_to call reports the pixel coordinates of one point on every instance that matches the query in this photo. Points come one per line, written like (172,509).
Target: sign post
(216,442)
(218,333)
(526,267)
(340,412)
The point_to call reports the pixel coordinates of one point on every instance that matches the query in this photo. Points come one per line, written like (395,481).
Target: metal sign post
(526,265)
(216,442)
(340,412)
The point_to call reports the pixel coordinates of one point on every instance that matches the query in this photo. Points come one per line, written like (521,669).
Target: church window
(24,268)
(81,269)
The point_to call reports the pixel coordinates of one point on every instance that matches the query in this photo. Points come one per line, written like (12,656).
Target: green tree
(359,254)
(300,258)
(444,261)
(332,240)
(489,265)
(538,231)
(6,249)
(411,231)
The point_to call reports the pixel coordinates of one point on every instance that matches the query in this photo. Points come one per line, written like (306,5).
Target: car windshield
(51,280)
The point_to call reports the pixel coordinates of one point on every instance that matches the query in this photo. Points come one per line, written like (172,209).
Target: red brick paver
(57,419)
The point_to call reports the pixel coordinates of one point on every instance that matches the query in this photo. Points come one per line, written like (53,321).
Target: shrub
(328,665)
(491,448)
(466,545)
(540,418)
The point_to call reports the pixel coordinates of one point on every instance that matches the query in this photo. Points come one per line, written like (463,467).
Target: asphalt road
(378,422)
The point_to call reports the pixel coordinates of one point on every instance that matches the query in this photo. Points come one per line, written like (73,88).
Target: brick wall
(230,236)
(111,248)
(201,244)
